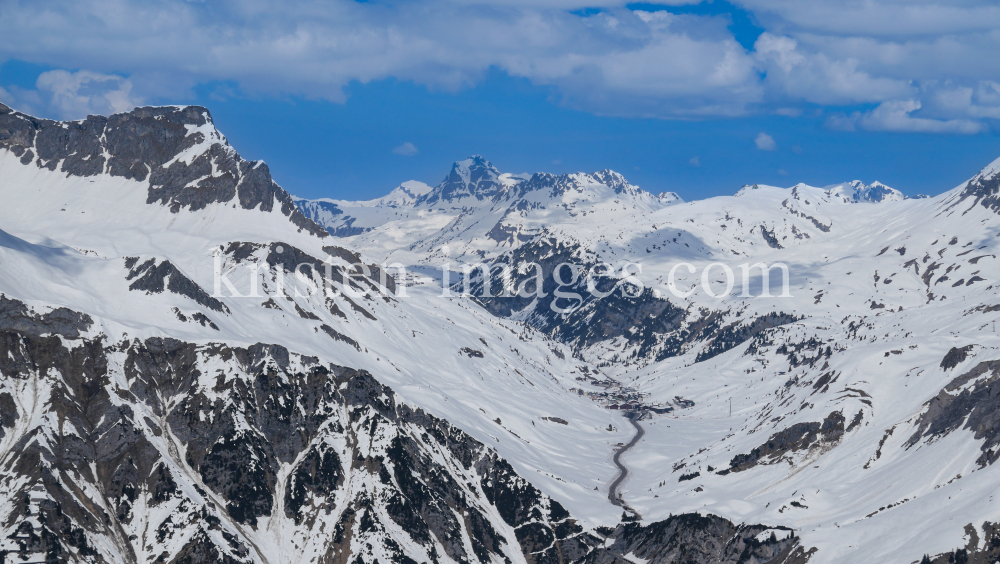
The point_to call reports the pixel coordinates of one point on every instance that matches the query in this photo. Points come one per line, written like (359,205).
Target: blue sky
(698,98)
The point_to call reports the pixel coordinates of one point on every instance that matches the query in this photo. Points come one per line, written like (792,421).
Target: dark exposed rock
(239,468)
(798,437)
(984,549)
(604,308)
(201,550)
(471,353)
(318,210)
(558,185)
(770,239)
(653,323)
(16,316)
(961,406)
(143,145)
(806,353)
(203,320)
(558,420)
(319,474)
(291,260)
(8,413)
(272,408)
(955,357)
(98,439)
(154,278)
(371,271)
(984,191)
(338,336)
(696,539)
(478,179)
(736,334)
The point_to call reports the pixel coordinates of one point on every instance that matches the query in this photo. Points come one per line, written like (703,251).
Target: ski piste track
(613,495)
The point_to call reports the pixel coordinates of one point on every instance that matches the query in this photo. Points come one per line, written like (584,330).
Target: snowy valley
(175,385)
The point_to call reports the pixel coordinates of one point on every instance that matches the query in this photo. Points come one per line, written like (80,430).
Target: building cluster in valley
(616,396)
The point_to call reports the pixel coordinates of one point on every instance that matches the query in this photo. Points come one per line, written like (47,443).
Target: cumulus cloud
(614,62)
(981,100)
(815,77)
(65,95)
(610,61)
(765,142)
(407,149)
(896,116)
(892,52)
(888,18)
(84,92)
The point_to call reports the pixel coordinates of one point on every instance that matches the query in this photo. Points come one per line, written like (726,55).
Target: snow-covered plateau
(195,366)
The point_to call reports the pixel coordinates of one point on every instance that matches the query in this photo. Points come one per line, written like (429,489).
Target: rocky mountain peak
(473,177)
(616,182)
(857,191)
(984,188)
(878,192)
(405,194)
(669,197)
(176,151)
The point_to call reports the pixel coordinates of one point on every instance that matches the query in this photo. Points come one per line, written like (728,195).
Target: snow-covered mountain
(194,371)
(147,416)
(478,212)
(811,427)
(857,191)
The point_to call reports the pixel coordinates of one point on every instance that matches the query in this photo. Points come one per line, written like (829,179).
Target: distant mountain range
(173,387)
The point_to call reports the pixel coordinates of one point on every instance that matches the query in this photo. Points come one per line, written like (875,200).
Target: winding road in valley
(613,495)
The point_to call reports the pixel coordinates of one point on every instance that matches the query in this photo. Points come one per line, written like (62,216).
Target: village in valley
(616,396)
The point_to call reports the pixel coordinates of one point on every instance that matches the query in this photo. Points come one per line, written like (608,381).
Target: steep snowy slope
(151,410)
(478,212)
(866,388)
(857,191)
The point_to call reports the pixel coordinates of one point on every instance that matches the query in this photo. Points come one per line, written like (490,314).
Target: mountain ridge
(141,421)
(187,162)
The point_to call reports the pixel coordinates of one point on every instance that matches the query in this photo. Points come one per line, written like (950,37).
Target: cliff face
(191,372)
(177,151)
(163,450)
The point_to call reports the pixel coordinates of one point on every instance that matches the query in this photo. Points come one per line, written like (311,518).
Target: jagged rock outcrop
(159,449)
(176,151)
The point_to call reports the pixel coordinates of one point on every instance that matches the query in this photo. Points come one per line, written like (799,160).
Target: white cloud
(976,101)
(65,95)
(615,62)
(896,116)
(407,149)
(880,17)
(76,95)
(695,161)
(765,142)
(814,77)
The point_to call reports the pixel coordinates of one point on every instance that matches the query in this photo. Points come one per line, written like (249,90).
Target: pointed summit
(858,191)
(473,177)
(878,192)
(984,188)
(174,153)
